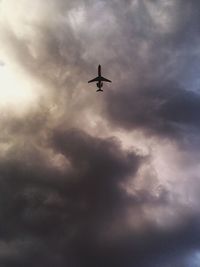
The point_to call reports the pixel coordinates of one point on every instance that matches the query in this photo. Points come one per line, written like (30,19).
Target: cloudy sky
(99,179)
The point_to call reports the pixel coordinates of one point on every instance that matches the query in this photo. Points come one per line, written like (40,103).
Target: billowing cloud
(77,212)
(107,179)
(42,202)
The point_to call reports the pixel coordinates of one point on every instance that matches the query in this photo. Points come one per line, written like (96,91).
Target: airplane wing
(94,80)
(105,80)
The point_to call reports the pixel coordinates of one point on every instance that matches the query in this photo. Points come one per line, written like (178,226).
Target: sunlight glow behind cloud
(16,92)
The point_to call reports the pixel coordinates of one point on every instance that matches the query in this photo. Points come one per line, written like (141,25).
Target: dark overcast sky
(89,179)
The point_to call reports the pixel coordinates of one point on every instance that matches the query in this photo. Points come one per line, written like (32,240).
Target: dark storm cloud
(155,248)
(51,210)
(50,217)
(76,214)
(163,110)
(151,95)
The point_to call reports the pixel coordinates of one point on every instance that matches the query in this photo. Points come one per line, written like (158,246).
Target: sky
(99,179)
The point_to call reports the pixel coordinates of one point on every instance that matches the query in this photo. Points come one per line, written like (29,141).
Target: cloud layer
(99,180)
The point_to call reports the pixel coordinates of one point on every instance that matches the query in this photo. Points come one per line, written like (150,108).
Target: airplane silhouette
(99,79)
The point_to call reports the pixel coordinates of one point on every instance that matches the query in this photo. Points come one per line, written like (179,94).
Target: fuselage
(100,83)
(99,70)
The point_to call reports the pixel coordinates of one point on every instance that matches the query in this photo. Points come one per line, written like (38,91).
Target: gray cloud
(50,216)
(69,198)
(163,110)
(41,205)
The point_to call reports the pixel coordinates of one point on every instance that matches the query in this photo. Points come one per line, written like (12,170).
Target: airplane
(99,79)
